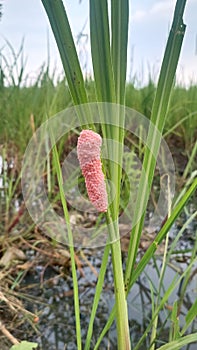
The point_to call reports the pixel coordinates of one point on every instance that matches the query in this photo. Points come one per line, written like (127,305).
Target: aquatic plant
(109,56)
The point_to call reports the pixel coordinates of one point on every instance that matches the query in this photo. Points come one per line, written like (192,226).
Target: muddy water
(57,321)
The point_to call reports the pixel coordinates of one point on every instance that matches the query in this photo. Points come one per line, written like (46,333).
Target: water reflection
(57,321)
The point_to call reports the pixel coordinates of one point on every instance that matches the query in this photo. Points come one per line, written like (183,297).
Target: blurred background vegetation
(26,102)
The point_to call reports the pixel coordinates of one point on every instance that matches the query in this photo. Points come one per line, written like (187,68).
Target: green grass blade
(158,116)
(62,32)
(169,65)
(190,317)
(119,25)
(167,294)
(71,247)
(179,343)
(192,177)
(151,250)
(119,41)
(64,39)
(192,157)
(181,121)
(98,291)
(175,327)
(184,286)
(100,48)
(162,233)
(106,328)
(174,284)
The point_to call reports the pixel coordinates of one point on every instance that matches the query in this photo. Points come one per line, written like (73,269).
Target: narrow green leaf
(151,250)
(179,343)
(158,116)
(119,25)
(174,284)
(191,161)
(71,246)
(162,233)
(98,291)
(64,39)
(62,32)
(119,42)
(168,292)
(174,329)
(191,315)
(100,48)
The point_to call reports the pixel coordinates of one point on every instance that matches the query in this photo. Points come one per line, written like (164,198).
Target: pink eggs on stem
(88,151)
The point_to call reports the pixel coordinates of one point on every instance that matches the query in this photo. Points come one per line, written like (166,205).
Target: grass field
(25,105)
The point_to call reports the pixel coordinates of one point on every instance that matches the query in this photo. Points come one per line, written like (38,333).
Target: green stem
(121,303)
(98,291)
(123,335)
(161,277)
(71,247)
(110,73)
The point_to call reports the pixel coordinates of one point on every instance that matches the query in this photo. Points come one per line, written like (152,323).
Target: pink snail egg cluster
(88,151)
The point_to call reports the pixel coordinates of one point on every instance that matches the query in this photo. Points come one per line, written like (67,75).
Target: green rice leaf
(191,315)
(100,48)
(62,32)
(119,25)
(179,343)
(158,117)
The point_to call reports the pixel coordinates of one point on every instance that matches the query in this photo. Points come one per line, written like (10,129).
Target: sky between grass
(149,24)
